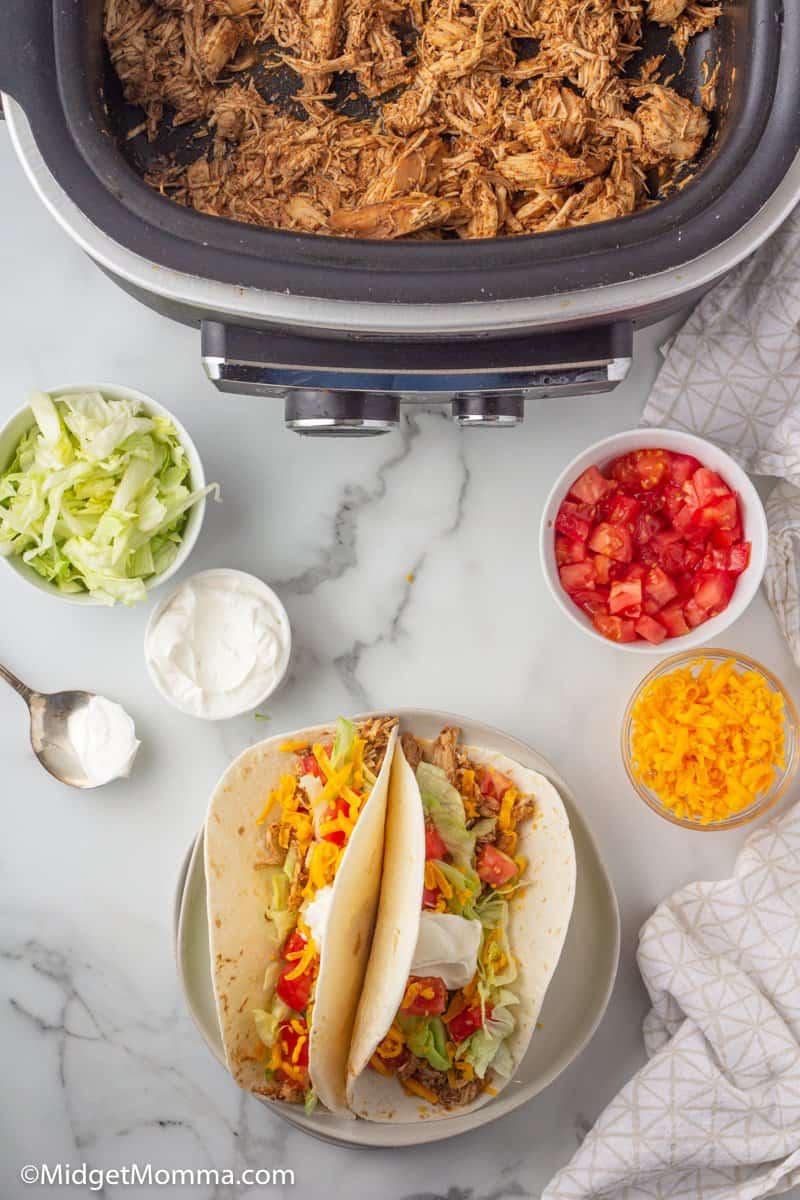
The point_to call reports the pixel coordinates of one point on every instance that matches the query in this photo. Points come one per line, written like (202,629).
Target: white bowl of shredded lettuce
(102,494)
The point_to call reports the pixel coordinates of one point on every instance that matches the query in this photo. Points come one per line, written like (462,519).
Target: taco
(293,850)
(477,893)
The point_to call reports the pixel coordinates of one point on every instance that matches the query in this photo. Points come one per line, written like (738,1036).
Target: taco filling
(457,1012)
(307,822)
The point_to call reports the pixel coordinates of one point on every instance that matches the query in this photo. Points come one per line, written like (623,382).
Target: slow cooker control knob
(489,410)
(315,412)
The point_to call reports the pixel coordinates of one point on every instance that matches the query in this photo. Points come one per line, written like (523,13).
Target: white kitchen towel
(715,1113)
(732,374)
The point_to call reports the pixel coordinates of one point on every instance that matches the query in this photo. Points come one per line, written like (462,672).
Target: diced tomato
(682,467)
(659,587)
(624,471)
(613,541)
(673,620)
(651,502)
(674,500)
(713,590)
(685,524)
(569,550)
(695,615)
(647,526)
(576,576)
(602,568)
(739,558)
(715,558)
(685,585)
(430,897)
(708,487)
(650,547)
(335,809)
(294,944)
(493,783)
(467,1022)
(310,766)
(435,845)
(427,1005)
(724,514)
(289,1038)
(625,593)
(295,992)
(591,487)
(693,555)
(651,630)
(494,867)
(648,555)
(591,601)
(653,467)
(573,522)
(624,511)
(615,628)
(725,538)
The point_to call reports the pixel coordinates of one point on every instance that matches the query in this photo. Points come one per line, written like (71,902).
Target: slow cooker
(344,331)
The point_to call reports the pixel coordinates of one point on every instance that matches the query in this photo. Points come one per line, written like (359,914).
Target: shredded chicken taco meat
(458,1008)
(411,118)
(307,822)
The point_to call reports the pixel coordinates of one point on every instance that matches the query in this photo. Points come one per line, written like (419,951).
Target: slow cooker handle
(335,384)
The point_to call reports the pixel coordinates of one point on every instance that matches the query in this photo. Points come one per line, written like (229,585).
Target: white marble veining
(100,1061)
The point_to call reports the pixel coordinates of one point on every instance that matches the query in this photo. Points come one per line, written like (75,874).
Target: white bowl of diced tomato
(654,540)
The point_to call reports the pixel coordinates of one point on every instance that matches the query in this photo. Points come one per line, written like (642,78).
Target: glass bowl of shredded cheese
(710,739)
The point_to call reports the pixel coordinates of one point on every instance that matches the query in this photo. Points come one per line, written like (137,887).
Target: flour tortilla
(538,922)
(242,940)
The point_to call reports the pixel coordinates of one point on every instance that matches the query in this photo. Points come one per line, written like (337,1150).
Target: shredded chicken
(411,749)
(443,753)
(446,1085)
(410,118)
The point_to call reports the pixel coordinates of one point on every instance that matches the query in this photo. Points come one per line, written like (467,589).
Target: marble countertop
(101,1062)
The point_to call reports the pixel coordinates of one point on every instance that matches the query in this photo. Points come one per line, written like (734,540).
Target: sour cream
(316,915)
(219,645)
(447,946)
(103,739)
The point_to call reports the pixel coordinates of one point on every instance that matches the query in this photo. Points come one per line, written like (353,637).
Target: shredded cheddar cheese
(377,1064)
(505,816)
(436,878)
(413,1088)
(708,739)
(293,747)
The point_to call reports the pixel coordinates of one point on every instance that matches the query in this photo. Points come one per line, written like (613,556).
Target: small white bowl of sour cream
(218,645)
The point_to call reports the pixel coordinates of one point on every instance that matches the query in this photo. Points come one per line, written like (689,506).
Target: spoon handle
(16,684)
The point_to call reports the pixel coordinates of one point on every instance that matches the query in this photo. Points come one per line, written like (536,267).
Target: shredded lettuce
(491,910)
(266,1025)
(496,963)
(466,887)
(310,1101)
(427,1038)
(96,497)
(278,911)
(268,1020)
(343,742)
(443,804)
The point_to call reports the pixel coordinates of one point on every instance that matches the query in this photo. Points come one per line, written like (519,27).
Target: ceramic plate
(573,1006)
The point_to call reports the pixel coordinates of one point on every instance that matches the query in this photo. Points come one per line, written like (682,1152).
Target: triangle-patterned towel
(715,1113)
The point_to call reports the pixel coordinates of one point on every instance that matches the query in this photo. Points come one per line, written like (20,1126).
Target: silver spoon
(49,737)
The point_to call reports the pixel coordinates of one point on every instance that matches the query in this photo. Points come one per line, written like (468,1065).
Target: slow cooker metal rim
(207,296)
